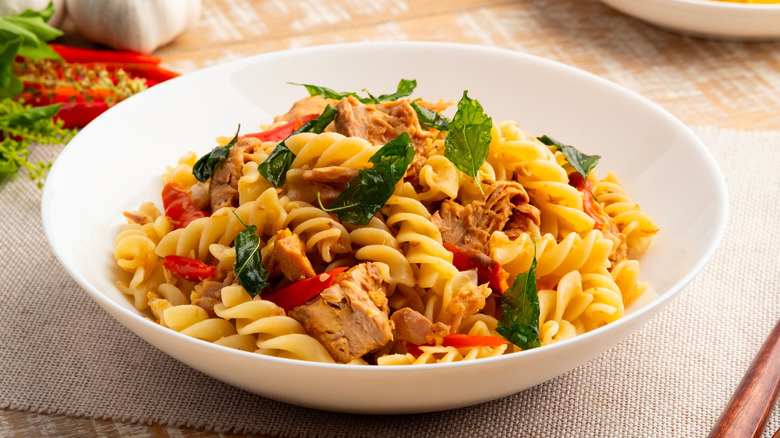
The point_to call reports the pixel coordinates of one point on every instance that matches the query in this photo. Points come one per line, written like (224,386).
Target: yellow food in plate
(378,231)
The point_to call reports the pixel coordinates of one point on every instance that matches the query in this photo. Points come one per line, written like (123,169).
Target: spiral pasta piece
(634,223)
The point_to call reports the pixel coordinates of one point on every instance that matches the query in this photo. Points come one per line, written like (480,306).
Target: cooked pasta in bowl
(352,234)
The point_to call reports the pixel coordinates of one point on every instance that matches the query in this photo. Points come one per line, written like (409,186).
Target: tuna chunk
(350,317)
(289,255)
(505,208)
(414,328)
(223,189)
(380,123)
(330,175)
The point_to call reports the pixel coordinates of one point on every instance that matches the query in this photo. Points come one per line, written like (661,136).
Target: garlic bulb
(138,25)
(12,7)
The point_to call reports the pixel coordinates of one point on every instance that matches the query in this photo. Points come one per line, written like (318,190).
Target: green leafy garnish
(367,192)
(519,323)
(582,163)
(431,119)
(275,167)
(249,264)
(405,88)
(206,165)
(20,126)
(467,143)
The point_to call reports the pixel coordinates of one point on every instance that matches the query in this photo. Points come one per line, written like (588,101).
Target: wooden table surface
(702,82)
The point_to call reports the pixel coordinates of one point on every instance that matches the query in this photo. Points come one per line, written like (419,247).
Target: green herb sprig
(367,192)
(582,163)
(519,323)
(206,165)
(405,88)
(467,143)
(249,262)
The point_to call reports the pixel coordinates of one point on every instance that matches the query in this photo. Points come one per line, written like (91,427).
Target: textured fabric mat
(61,353)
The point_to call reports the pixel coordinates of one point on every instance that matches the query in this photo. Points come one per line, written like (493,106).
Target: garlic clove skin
(137,25)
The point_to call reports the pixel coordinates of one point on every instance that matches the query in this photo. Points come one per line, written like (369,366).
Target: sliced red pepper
(80,55)
(589,205)
(488,270)
(458,340)
(283,131)
(302,291)
(178,205)
(189,268)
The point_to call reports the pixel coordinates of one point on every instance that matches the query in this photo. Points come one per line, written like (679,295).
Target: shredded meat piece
(304,107)
(350,317)
(207,294)
(330,174)
(412,327)
(138,217)
(470,226)
(223,190)
(289,255)
(380,123)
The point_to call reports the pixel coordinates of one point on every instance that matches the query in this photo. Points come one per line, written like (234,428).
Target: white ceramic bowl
(115,163)
(707,18)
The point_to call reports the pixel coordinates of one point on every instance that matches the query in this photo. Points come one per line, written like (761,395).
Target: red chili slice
(189,268)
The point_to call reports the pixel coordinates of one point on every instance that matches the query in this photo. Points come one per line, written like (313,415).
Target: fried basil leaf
(249,265)
(206,165)
(519,323)
(275,167)
(467,143)
(367,192)
(582,163)
(431,119)
(405,88)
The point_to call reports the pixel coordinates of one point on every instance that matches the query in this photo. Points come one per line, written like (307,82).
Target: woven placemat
(61,353)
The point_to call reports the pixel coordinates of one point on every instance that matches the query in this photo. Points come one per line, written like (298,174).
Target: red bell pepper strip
(178,205)
(283,131)
(302,291)
(589,205)
(488,270)
(76,54)
(458,340)
(188,268)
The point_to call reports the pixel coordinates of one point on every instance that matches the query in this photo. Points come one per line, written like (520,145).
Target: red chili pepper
(283,131)
(488,270)
(589,205)
(78,114)
(178,205)
(302,291)
(188,268)
(76,54)
(458,340)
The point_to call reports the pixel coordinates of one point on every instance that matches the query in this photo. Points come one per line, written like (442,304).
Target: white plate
(707,18)
(115,163)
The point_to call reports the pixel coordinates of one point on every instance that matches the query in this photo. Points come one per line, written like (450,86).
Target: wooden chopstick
(753,401)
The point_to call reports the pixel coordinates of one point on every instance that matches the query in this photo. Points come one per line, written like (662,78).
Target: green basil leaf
(249,263)
(519,323)
(366,193)
(431,119)
(405,88)
(582,163)
(206,165)
(275,167)
(467,143)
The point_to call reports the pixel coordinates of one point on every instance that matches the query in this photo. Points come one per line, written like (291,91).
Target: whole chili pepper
(81,55)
